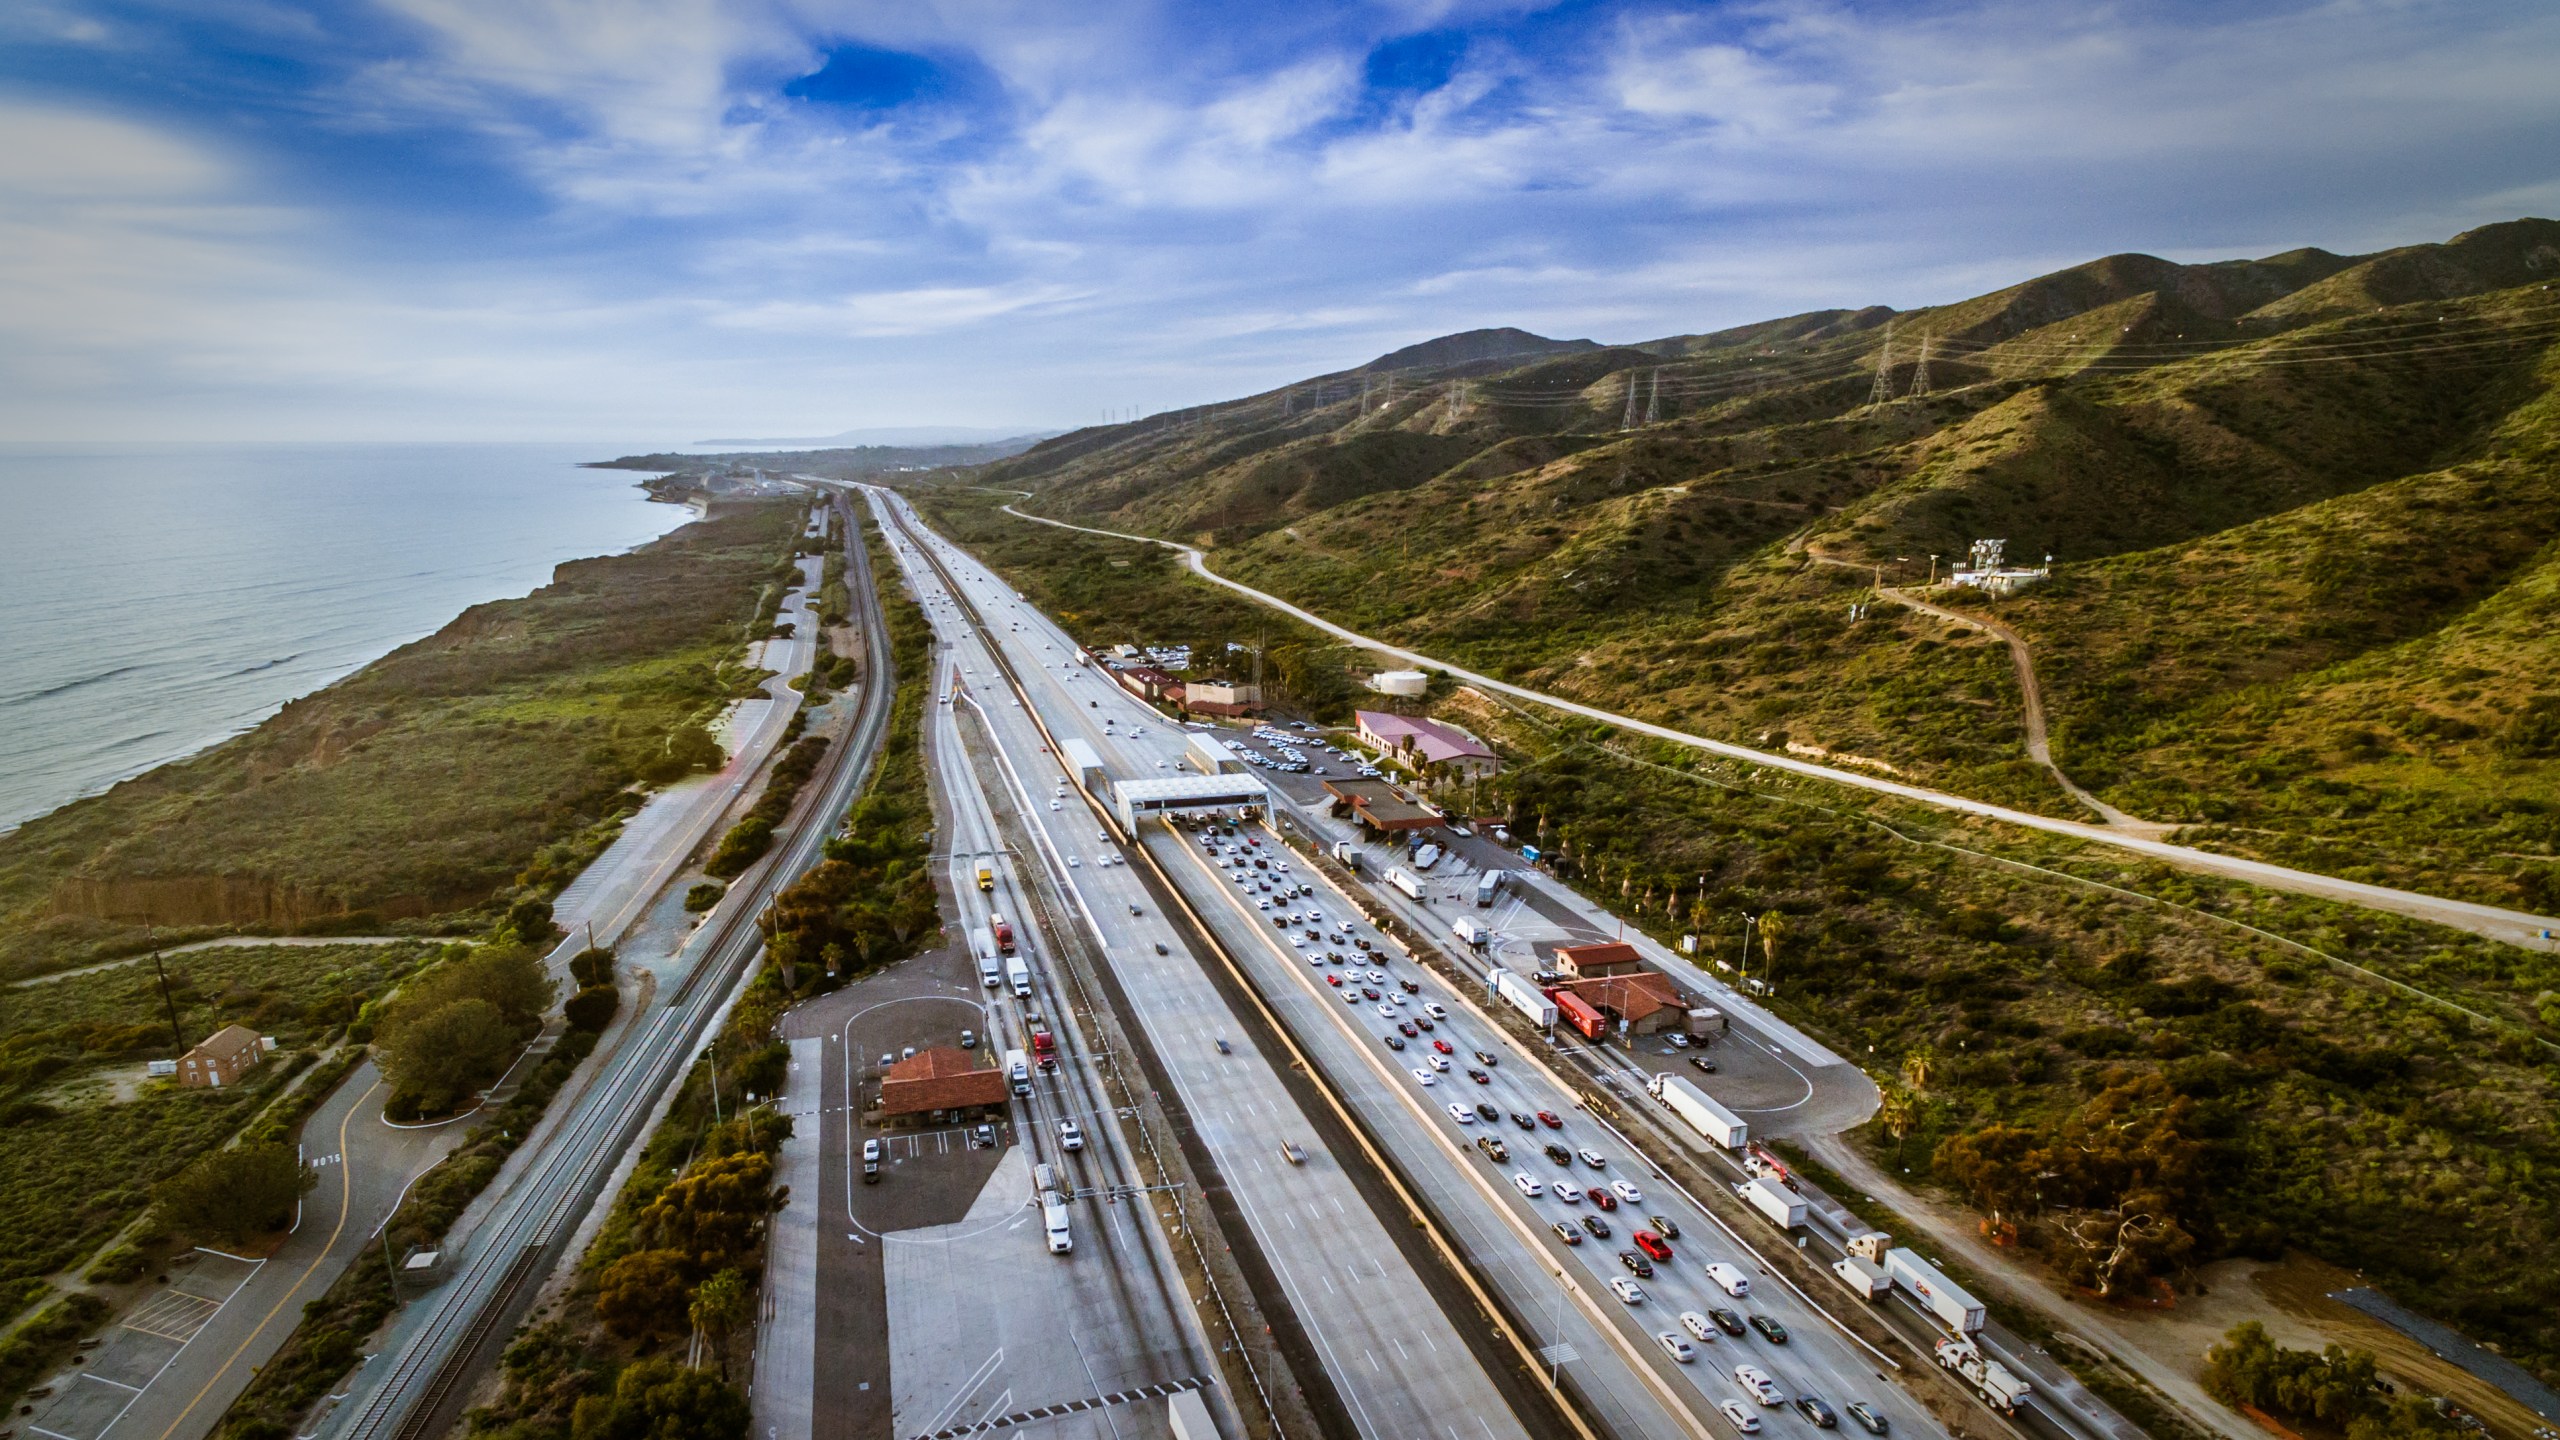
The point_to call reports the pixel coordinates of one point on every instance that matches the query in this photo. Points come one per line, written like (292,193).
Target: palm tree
(1773,928)
(1917,1067)
(720,1305)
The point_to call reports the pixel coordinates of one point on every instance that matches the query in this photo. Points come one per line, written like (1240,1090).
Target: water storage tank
(1399,682)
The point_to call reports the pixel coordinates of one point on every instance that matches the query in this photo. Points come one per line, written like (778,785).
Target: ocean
(155,599)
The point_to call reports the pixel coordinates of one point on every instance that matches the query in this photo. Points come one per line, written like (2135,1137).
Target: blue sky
(664,219)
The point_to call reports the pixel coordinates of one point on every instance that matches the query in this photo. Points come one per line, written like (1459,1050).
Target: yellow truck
(986,877)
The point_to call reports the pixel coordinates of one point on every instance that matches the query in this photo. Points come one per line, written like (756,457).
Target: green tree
(722,1304)
(592,1009)
(234,1193)
(527,922)
(592,966)
(714,1213)
(662,1400)
(642,1295)
(436,1056)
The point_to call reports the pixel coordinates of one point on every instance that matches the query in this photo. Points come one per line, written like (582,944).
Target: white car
(1462,1114)
(1757,1381)
(1627,1194)
(1568,1194)
(1074,864)
(1743,1420)
(1627,1290)
(1733,1282)
(1053,804)
(1070,1134)
(1592,1158)
(1677,1348)
(1698,1325)
(1387,1010)
(1440,1063)
(1528,1185)
(1425,1077)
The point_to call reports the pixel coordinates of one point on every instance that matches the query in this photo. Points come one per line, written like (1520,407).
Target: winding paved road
(2535,932)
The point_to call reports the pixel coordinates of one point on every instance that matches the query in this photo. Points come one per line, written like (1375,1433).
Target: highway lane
(1394,1356)
(2533,932)
(1819,1357)
(414,1388)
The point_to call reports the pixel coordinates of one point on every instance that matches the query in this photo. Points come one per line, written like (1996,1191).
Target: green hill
(2299,508)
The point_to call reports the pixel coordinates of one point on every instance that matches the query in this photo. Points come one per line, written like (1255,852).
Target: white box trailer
(1719,1125)
(1404,881)
(1489,888)
(1472,933)
(1346,856)
(1526,998)
(1784,1207)
(1937,1294)
(1017,972)
(982,943)
(1863,1276)
(1053,1218)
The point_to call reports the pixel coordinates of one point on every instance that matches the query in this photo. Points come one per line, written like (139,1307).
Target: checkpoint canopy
(1136,799)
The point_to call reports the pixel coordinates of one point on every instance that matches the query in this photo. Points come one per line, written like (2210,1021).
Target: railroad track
(452,1339)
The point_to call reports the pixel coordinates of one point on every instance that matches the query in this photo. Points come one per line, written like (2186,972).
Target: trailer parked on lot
(1719,1125)
(1472,933)
(1405,882)
(1936,1293)
(1346,856)
(1489,887)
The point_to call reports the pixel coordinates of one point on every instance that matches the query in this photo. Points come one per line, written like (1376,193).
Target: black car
(1480,1078)
(1726,1321)
(1769,1328)
(1394,1042)
(1703,1063)
(1560,1155)
(1525,1122)
(1598,1227)
(1812,1408)
(1665,1226)
(1636,1264)
(1485,1057)
(1487,1112)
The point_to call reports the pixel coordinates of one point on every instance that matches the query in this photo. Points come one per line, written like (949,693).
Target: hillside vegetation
(2300,509)
(492,756)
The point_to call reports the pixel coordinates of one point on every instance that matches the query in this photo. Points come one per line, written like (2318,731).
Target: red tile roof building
(1614,957)
(940,1079)
(225,1056)
(1427,745)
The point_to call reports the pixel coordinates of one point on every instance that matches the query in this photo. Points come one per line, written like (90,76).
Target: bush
(592,1009)
(235,1193)
(592,966)
(662,1400)
(642,1296)
(527,922)
(2335,1387)
(703,896)
(743,846)
(41,1343)
(121,1266)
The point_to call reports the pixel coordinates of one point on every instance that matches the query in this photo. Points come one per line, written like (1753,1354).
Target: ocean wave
(266,665)
(67,686)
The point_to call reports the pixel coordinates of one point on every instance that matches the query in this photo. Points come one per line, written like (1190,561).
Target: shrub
(120,1266)
(661,1400)
(592,1009)
(238,1192)
(642,1295)
(436,1058)
(592,966)
(703,896)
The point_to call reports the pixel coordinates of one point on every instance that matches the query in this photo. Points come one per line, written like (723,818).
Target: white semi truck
(1346,856)
(1405,882)
(1992,1379)
(982,943)
(1018,973)
(1053,1218)
(1719,1125)
(1526,998)
(1784,1207)
(1937,1294)
(1017,1070)
(1470,932)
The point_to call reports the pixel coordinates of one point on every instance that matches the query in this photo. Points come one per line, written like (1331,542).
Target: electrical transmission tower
(1628,421)
(1920,372)
(1653,397)
(1882,390)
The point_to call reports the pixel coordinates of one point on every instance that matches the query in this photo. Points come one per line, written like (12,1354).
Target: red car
(1548,1119)
(1651,1244)
(1334,980)
(1601,1198)
(1443,1047)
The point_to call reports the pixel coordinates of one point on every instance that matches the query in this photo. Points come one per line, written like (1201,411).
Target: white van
(1732,1281)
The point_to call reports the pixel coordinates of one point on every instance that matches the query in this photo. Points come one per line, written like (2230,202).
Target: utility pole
(1920,372)
(1882,390)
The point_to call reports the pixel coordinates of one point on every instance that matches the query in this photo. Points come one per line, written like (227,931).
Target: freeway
(441,1343)
(1398,1362)
(2535,932)
(1624,1375)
